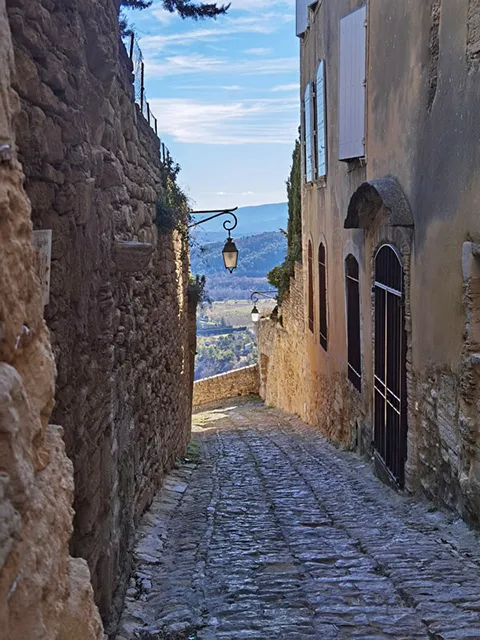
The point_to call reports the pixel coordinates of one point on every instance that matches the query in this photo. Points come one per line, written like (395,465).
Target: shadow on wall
(121,338)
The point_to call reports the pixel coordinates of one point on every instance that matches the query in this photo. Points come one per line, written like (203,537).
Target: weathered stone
(321,550)
(125,414)
(240,382)
(38,598)
(132,256)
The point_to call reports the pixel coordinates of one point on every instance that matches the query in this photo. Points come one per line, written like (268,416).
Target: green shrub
(280,276)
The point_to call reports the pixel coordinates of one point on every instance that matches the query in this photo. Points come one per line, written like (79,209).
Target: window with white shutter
(309,134)
(302,17)
(352,80)
(302,12)
(321,122)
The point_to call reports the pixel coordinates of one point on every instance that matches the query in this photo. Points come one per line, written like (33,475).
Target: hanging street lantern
(230,254)
(229,251)
(255,297)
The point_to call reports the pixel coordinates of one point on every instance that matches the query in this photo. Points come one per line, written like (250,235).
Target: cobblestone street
(274,533)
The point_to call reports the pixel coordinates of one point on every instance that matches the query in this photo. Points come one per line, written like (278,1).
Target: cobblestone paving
(277,534)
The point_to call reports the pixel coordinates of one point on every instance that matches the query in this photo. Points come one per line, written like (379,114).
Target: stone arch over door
(381,208)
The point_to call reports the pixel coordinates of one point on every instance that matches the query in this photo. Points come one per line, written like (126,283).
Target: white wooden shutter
(352,76)
(321,122)
(309,133)
(302,17)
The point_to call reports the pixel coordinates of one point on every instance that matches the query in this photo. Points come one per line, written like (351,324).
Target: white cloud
(258,51)
(247,25)
(294,86)
(211,87)
(199,63)
(260,23)
(255,5)
(164,17)
(273,121)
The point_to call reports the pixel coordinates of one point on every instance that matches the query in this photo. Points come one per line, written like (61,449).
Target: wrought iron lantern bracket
(228,225)
(230,251)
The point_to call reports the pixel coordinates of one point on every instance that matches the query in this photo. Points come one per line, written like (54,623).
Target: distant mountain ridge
(257,254)
(251,221)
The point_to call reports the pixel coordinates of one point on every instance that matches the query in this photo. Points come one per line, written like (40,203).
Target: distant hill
(251,221)
(257,254)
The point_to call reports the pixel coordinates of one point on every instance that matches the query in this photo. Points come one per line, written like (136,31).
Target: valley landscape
(261,247)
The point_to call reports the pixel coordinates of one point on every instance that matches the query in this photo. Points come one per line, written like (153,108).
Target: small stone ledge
(476,249)
(132,256)
(475,359)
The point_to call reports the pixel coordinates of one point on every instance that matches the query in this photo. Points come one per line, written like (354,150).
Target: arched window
(353,322)
(322,280)
(310,287)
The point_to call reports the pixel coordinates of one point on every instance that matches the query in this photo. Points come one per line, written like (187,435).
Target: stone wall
(240,382)
(118,300)
(289,377)
(281,352)
(431,48)
(44,593)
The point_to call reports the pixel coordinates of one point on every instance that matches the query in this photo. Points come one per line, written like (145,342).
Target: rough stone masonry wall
(117,311)
(44,593)
(281,348)
(240,382)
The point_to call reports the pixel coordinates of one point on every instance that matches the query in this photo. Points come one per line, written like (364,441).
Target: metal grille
(353,322)
(310,287)
(390,370)
(322,279)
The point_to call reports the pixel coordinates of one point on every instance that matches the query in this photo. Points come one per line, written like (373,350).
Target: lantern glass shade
(230,255)
(255,314)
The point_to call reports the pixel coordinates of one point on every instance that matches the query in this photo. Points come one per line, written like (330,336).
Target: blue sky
(226,97)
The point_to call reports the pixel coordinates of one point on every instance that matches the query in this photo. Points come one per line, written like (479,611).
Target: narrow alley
(268,531)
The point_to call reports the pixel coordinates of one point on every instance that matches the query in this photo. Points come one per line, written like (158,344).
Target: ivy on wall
(279,276)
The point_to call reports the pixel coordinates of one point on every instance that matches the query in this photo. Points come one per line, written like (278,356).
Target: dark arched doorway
(390,365)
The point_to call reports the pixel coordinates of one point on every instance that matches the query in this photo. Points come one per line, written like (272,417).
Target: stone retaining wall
(44,593)
(118,301)
(240,382)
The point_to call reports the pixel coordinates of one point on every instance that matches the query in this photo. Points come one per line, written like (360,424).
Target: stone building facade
(391,261)
(44,592)
(118,306)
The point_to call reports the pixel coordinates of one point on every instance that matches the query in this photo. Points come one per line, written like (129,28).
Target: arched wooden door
(390,365)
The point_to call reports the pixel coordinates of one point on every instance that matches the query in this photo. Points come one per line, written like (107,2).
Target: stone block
(132,256)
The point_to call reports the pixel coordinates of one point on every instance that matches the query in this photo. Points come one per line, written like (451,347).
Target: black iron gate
(390,361)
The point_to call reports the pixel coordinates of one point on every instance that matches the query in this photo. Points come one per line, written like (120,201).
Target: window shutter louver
(309,133)
(352,77)
(321,122)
